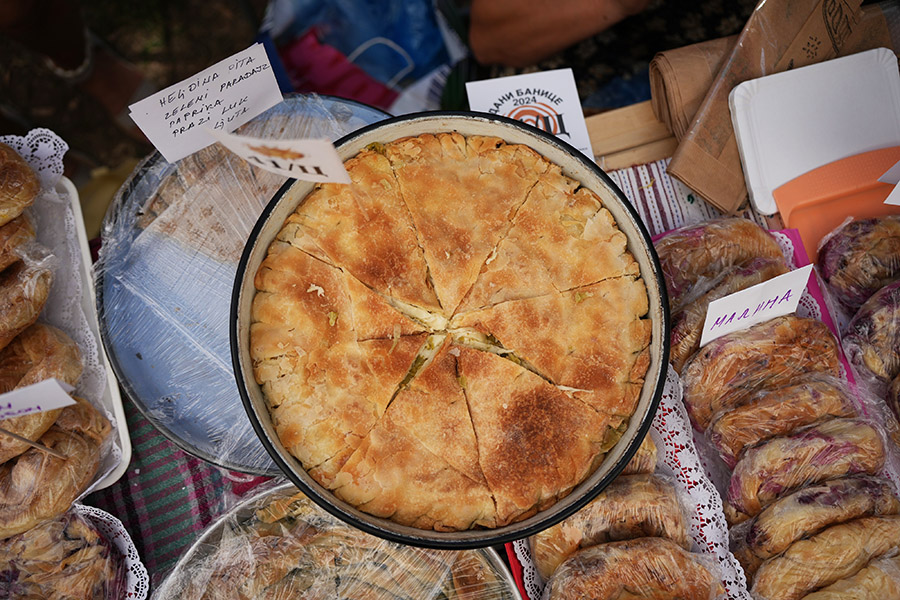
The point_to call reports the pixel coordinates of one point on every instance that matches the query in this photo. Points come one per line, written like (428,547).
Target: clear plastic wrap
(828,450)
(837,552)
(279,545)
(19,184)
(702,251)
(728,370)
(872,339)
(807,512)
(24,289)
(644,460)
(893,397)
(687,324)
(859,258)
(776,412)
(651,568)
(632,506)
(878,580)
(36,486)
(171,243)
(15,236)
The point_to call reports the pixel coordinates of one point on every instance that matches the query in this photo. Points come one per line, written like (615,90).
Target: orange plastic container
(816,202)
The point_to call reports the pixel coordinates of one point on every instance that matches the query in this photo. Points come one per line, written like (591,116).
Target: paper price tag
(546,100)
(47,395)
(773,298)
(178,119)
(309,160)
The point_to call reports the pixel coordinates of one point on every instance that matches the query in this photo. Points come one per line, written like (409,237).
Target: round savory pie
(455,339)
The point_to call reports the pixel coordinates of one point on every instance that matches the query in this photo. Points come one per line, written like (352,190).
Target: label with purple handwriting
(223,97)
(776,297)
(309,160)
(46,395)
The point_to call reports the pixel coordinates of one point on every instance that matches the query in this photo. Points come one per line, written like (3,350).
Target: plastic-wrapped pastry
(687,324)
(36,486)
(879,580)
(644,460)
(777,412)
(808,511)
(632,506)
(728,370)
(23,291)
(18,184)
(831,449)
(13,237)
(860,258)
(706,249)
(38,353)
(893,397)
(62,559)
(872,341)
(641,569)
(836,553)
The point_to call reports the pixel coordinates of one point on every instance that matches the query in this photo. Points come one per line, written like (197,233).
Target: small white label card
(773,298)
(223,97)
(547,100)
(310,160)
(46,395)
(892,176)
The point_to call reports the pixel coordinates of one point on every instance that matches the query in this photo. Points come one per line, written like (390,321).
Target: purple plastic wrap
(872,340)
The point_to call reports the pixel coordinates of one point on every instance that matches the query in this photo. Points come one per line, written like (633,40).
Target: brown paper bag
(779,35)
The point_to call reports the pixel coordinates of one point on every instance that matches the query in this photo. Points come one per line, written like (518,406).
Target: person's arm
(519,33)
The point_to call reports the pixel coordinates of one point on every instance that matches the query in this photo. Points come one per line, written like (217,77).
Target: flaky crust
(23,291)
(809,511)
(878,580)
(38,353)
(14,236)
(36,486)
(832,449)
(18,184)
(633,506)
(641,569)
(834,554)
(728,370)
(644,460)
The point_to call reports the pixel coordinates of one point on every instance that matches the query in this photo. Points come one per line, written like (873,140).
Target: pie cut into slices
(454,340)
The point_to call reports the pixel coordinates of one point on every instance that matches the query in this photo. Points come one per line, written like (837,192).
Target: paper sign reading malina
(773,298)
(547,100)
(309,160)
(223,97)
(37,397)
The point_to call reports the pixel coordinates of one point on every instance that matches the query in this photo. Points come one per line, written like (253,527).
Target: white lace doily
(137,581)
(56,230)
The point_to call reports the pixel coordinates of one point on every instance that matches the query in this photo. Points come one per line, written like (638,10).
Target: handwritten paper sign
(49,394)
(546,100)
(178,119)
(773,298)
(309,160)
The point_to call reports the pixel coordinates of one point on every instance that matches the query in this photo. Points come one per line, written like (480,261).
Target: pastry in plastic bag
(728,370)
(23,291)
(872,341)
(777,412)
(687,324)
(704,250)
(18,184)
(36,486)
(645,568)
(13,237)
(632,506)
(879,580)
(831,555)
(63,559)
(893,397)
(38,353)
(806,512)
(860,258)
(831,449)
(644,460)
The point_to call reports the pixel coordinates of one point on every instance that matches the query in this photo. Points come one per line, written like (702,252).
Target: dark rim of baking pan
(325,498)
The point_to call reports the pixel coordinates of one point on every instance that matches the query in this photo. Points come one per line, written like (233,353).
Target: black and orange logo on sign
(540,115)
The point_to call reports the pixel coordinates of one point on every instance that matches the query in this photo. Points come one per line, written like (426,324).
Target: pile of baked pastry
(631,541)
(43,550)
(810,515)
(287,547)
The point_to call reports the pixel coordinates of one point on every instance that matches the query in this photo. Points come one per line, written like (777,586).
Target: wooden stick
(32,444)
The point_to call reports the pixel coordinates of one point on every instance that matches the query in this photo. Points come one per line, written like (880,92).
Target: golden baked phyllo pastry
(454,340)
